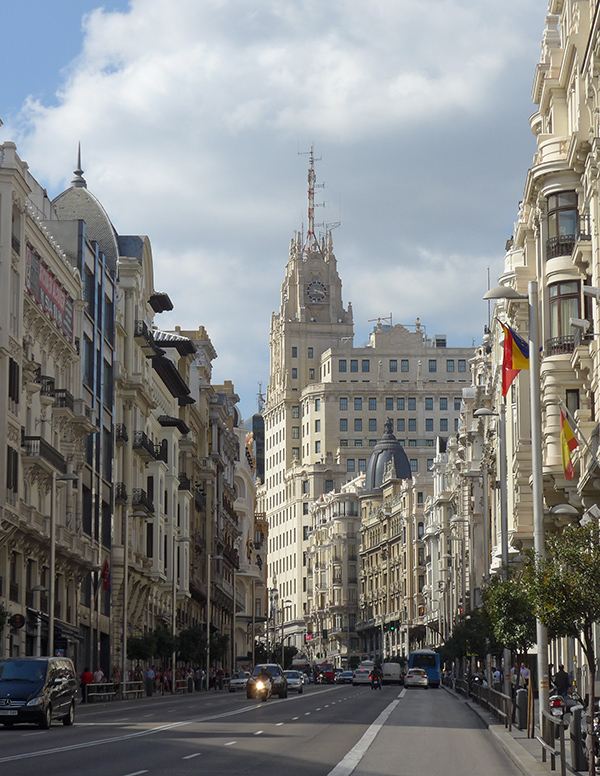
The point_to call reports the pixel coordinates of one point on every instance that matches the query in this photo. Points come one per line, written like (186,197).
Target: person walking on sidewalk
(562,680)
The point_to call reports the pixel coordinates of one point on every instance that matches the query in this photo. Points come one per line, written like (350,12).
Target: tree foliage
(192,645)
(472,635)
(509,606)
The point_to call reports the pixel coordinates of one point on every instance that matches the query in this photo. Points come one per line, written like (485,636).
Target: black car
(37,690)
(275,671)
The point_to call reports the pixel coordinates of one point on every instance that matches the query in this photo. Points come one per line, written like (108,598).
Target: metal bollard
(521,709)
(578,761)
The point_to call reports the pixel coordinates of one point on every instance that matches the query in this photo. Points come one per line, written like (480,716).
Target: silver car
(416,677)
(238,681)
(295,681)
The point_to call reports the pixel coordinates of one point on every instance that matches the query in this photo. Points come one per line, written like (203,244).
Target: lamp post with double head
(539,544)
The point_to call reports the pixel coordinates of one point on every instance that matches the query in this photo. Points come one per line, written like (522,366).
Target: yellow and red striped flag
(515,356)
(568,443)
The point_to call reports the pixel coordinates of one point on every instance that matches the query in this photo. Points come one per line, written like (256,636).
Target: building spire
(311,242)
(78,181)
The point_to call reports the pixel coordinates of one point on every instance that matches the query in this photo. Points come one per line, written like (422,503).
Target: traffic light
(392,627)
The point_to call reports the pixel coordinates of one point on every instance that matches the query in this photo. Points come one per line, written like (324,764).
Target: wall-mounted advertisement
(44,287)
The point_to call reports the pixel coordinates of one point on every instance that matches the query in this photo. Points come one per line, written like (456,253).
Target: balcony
(63,400)
(139,498)
(120,493)
(144,338)
(232,556)
(558,346)
(144,446)
(184,482)
(38,452)
(121,435)
(199,499)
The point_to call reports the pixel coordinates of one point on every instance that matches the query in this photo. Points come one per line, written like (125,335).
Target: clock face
(316,291)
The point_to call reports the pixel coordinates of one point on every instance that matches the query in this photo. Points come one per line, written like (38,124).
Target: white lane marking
(319,709)
(230,743)
(355,755)
(307,713)
(191,756)
(259,732)
(294,718)
(279,724)
(136,773)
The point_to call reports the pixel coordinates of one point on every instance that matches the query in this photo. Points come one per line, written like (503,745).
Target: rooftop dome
(387,454)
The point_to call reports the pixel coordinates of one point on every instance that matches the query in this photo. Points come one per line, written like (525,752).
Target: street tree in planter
(565,590)
(510,610)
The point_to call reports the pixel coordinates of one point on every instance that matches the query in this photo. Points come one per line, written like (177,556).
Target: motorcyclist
(376,677)
(264,677)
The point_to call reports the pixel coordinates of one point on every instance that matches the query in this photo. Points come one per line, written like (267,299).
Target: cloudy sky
(192,114)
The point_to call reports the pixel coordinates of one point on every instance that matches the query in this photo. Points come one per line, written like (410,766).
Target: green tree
(565,588)
(218,646)
(509,606)
(165,643)
(141,647)
(192,645)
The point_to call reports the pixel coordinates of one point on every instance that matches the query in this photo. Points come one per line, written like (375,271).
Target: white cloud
(191,115)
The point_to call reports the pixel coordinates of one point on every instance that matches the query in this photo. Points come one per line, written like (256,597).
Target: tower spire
(78,181)
(310,242)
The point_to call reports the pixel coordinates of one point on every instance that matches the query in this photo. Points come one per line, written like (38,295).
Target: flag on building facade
(105,576)
(248,546)
(568,443)
(516,357)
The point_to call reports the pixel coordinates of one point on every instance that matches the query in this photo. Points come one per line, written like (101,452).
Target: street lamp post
(284,605)
(176,541)
(52,559)
(503,292)
(210,558)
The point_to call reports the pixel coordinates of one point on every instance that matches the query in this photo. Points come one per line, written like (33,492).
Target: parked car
(416,677)
(239,681)
(345,677)
(37,690)
(295,681)
(278,680)
(361,676)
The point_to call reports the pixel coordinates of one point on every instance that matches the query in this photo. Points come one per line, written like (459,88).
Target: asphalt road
(334,730)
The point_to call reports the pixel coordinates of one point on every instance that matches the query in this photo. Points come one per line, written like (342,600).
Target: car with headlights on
(278,680)
(295,681)
(416,677)
(239,681)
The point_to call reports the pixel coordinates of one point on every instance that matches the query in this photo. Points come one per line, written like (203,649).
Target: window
(311,374)
(400,404)
(572,400)
(305,508)
(358,404)
(420,497)
(362,464)
(317,405)
(429,464)
(343,443)
(389,403)
(414,465)
(429,404)
(412,442)
(344,404)
(457,402)
(462,365)
(412,404)
(400,424)
(372,424)
(294,373)
(443,424)
(317,426)
(564,304)
(372,404)
(366,365)
(443,403)
(305,486)
(404,365)
(317,447)
(450,365)
(343,424)
(354,365)
(428,424)
(350,465)
(357,424)
(432,365)
(295,432)
(342,365)
(562,224)
(328,486)
(358,443)
(296,411)
(296,453)
(412,424)
(393,365)
(310,352)
(372,442)
(294,352)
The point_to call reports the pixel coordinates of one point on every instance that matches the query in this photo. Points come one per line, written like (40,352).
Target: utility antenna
(386,318)
(310,242)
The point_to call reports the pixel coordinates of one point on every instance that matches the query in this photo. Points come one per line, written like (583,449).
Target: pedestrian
(87,677)
(562,680)
(525,675)
(497,679)
(98,676)
(220,678)
(212,676)
(198,679)
(116,680)
(150,679)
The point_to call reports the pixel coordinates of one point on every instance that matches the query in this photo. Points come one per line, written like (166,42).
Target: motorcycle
(590,729)
(375,682)
(263,689)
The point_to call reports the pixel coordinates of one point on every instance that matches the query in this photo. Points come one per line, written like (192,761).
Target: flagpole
(576,428)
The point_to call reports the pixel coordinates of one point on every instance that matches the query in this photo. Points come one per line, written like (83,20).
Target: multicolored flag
(516,356)
(568,443)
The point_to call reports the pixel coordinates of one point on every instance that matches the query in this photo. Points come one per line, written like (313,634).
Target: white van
(391,673)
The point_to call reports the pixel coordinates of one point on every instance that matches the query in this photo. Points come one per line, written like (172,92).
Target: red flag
(568,443)
(105,576)
(516,357)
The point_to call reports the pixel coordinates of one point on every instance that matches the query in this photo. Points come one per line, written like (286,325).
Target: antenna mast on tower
(310,242)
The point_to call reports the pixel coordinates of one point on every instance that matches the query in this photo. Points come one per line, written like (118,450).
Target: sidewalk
(525,753)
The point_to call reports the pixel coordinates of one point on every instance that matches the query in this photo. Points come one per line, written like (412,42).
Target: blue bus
(430,661)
